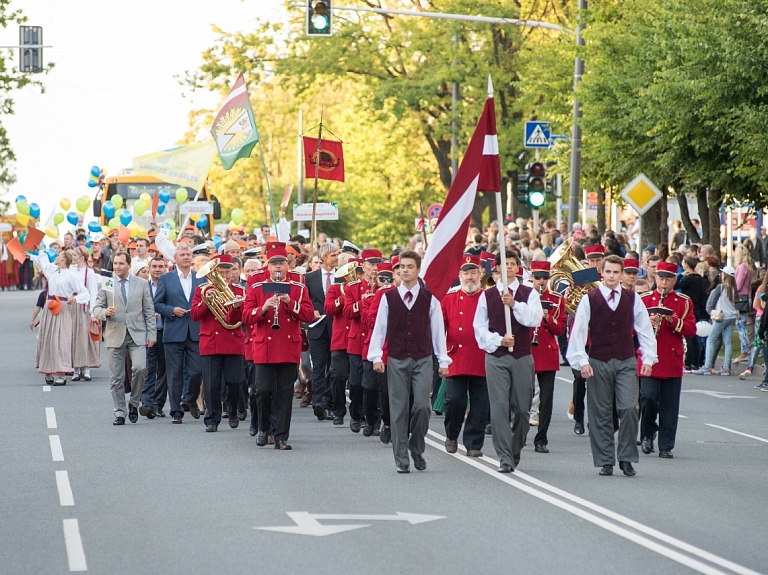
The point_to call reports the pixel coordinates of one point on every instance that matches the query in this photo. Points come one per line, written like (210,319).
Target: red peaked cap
(631,264)
(276,251)
(666,269)
(540,268)
(385,267)
(225,260)
(594,251)
(371,256)
(468,262)
(486,256)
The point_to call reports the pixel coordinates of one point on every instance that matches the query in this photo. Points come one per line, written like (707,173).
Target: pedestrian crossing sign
(537,135)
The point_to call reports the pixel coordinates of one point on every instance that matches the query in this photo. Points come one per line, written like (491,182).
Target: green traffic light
(536,199)
(319,22)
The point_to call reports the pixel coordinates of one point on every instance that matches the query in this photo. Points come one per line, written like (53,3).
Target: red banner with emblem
(330,159)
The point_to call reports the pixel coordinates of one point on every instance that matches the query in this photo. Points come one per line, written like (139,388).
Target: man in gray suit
(125,303)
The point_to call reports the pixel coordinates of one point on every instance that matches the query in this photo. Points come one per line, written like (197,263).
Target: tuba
(563,265)
(347,272)
(222,295)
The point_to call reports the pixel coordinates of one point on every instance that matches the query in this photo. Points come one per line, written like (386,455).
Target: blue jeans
(741,328)
(720,330)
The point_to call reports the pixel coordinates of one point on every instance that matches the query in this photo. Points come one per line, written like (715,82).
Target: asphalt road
(155,497)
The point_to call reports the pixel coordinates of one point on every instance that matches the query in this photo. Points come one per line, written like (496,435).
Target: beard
(470,286)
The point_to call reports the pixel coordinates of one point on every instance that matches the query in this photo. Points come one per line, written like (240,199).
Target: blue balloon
(216,241)
(202,222)
(160,208)
(95,171)
(20,199)
(164,195)
(92,184)
(125,217)
(34,211)
(109,209)
(95,227)
(51,253)
(72,218)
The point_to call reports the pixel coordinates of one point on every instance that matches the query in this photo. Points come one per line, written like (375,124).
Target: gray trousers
(613,378)
(404,375)
(510,390)
(117,373)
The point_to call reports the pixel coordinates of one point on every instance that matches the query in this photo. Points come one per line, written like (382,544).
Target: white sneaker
(533,422)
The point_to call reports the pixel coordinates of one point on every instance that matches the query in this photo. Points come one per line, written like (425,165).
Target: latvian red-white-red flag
(479,172)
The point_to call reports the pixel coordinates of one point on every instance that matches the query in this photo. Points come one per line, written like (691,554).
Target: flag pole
(269,187)
(423,225)
(313,240)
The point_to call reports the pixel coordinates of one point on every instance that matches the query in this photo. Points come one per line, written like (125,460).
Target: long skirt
(54,341)
(85,351)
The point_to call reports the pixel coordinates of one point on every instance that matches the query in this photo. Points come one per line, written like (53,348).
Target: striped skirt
(54,341)
(85,351)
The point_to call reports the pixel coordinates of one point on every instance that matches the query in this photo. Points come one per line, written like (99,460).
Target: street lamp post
(575,180)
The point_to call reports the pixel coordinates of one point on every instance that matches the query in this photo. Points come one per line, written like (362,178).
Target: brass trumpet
(561,278)
(221,296)
(661,305)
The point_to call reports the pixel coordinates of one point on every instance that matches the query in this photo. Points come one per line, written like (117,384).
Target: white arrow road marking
(738,432)
(309,524)
(719,394)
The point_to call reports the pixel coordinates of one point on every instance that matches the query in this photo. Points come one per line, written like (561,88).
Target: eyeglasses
(386,280)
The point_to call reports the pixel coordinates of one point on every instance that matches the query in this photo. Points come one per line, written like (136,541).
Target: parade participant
(54,341)
(609,315)
(142,254)
(545,350)
(629,277)
(466,374)
(181,334)
(508,362)
(354,293)
(155,384)
(320,331)
(86,350)
(374,382)
(660,391)
(126,305)
(222,348)
(410,320)
(334,308)
(276,351)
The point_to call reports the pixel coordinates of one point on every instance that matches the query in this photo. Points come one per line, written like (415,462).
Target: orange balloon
(125,235)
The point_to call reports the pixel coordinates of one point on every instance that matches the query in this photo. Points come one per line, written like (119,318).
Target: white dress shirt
(577,355)
(325,273)
(528,313)
(186,282)
(436,326)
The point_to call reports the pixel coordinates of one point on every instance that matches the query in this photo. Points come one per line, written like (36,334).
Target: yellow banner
(185,166)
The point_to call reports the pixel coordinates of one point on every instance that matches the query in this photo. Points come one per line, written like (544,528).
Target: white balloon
(703,328)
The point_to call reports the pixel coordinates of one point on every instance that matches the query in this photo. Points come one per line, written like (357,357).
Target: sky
(113,94)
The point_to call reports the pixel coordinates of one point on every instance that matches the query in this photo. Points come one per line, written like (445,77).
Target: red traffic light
(537,169)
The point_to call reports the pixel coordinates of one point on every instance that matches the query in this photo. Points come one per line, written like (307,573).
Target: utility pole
(578,71)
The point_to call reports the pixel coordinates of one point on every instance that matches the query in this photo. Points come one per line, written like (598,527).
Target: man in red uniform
(546,353)
(466,374)
(221,351)
(354,293)
(276,350)
(672,319)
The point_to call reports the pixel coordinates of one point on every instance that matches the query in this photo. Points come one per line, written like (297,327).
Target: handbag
(54,305)
(716,315)
(95,330)
(742,304)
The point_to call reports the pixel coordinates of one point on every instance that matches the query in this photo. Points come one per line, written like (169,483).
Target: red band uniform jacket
(546,355)
(215,339)
(669,341)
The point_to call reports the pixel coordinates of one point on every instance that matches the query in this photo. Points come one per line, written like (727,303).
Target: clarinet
(276,322)
(535,340)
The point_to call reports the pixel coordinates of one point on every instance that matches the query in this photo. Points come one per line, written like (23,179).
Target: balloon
(34,211)
(216,241)
(238,216)
(114,223)
(194,217)
(703,328)
(125,217)
(92,183)
(65,203)
(22,219)
(160,208)
(22,207)
(58,217)
(95,171)
(72,218)
(125,235)
(51,253)
(147,198)
(164,195)
(19,199)
(133,227)
(169,223)
(232,226)
(109,209)
(82,203)
(140,206)
(52,232)
(95,227)
(172,235)
(105,230)
(141,231)
(182,195)
(202,222)
(117,199)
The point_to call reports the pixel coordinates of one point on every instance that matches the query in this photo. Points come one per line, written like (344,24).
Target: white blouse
(63,283)
(90,280)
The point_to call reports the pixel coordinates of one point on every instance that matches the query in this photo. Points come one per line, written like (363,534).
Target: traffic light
(31,59)
(319,18)
(532,186)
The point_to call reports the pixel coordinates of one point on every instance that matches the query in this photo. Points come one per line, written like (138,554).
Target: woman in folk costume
(86,350)
(65,293)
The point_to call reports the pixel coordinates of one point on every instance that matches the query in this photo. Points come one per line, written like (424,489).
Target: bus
(130,187)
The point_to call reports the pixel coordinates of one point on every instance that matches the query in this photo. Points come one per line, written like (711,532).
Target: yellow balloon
(233,225)
(147,198)
(194,217)
(141,231)
(65,203)
(133,227)
(22,219)
(104,230)
(52,232)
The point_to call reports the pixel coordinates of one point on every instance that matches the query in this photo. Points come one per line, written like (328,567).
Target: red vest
(215,339)
(458,314)
(497,321)
(611,332)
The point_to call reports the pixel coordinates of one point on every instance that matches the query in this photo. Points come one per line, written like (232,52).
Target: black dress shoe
(211,428)
(119,421)
(261,438)
(145,411)
(367,430)
(578,428)
(665,454)
(403,469)
(419,462)
(541,448)
(606,470)
(354,426)
(194,411)
(175,419)
(319,412)
(451,445)
(338,421)
(647,445)
(234,421)
(505,468)
(282,446)
(185,406)
(516,459)
(627,468)
(386,435)
(242,415)
(253,431)
(133,414)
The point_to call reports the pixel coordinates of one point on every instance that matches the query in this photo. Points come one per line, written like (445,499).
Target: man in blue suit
(181,335)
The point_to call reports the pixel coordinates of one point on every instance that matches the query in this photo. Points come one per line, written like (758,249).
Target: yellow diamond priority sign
(641,194)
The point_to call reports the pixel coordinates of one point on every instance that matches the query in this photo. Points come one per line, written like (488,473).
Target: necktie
(408,297)
(327,281)
(613,295)
(122,290)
